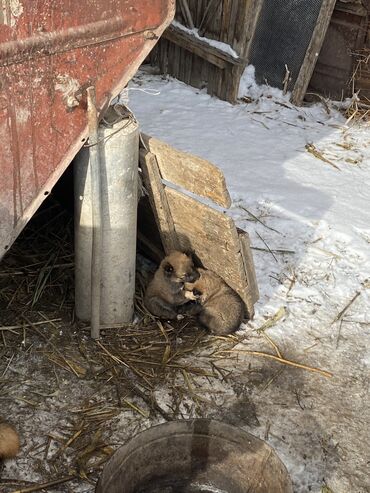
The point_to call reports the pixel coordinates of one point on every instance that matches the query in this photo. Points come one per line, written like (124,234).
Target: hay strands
(25,325)
(281,360)
(255,218)
(341,314)
(281,313)
(44,486)
(311,148)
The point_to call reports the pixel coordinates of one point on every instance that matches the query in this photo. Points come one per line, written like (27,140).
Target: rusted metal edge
(95,33)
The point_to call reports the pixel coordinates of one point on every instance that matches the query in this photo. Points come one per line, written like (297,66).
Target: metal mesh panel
(282,36)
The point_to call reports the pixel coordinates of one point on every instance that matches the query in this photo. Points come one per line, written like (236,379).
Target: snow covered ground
(308,220)
(315,217)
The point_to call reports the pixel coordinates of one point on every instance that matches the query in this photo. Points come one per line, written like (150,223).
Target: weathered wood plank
(158,200)
(195,46)
(225,20)
(214,238)
(191,172)
(312,52)
(247,256)
(252,12)
(210,12)
(232,22)
(186,13)
(201,48)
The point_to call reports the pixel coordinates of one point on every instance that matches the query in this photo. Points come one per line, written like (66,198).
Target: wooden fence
(198,61)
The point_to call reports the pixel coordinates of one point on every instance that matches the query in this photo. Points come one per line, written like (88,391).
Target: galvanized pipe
(118,147)
(96,247)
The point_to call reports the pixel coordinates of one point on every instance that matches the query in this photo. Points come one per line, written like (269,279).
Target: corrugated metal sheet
(50,51)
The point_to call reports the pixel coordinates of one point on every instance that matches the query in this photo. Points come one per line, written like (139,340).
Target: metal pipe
(118,135)
(96,248)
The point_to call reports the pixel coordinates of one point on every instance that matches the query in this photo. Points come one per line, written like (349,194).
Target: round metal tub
(194,456)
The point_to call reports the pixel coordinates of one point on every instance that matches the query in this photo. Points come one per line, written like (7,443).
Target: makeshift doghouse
(177,184)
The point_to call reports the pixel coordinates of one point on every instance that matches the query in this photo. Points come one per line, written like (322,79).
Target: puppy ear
(196,260)
(188,252)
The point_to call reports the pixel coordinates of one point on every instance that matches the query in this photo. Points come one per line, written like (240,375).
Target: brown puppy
(220,308)
(9,441)
(166,290)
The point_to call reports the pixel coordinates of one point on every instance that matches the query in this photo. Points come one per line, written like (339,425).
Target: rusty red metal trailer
(50,52)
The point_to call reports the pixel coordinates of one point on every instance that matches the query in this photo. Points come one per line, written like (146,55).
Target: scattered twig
(7,366)
(342,312)
(279,250)
(268,338)
(43,486)
(339,333)
(258,219)
(268,248)
(21,326)
(322,99)
(310,147)
(281,360)
(287,79)
(273,320)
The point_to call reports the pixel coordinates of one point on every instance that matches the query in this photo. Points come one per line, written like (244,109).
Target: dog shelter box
(177,183)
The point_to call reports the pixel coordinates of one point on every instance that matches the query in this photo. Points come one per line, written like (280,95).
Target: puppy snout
(193,276)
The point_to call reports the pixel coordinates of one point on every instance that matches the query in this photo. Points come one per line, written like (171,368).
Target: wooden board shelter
(177,184)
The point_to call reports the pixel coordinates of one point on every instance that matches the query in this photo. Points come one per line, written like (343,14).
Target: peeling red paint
(48,50)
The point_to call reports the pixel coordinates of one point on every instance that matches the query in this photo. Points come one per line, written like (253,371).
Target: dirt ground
(75,401)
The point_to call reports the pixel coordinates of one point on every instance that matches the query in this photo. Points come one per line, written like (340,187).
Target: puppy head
(179,267)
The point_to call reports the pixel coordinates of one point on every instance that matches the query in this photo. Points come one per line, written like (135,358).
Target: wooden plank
(196,71)
(200,6)
(212,23)
(214,238)
(158,200)
(225,19)
(188,62)
(312,52)
(186,13)
(194,45)
(252,13)
(247,256)
(231,84)
(182,64)
(210,12)
(201,48)
(246,14)
(215,75)
(190,172)
(176,59)
(232,22)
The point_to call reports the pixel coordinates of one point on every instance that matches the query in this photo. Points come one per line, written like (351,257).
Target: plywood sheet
(191,172)
(213,236)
